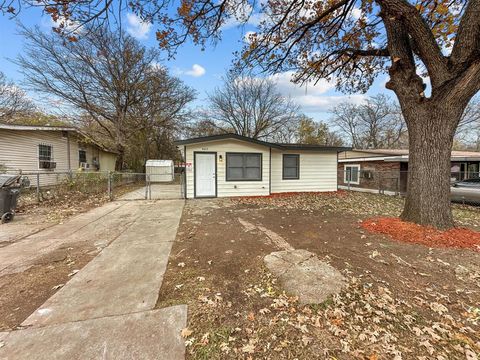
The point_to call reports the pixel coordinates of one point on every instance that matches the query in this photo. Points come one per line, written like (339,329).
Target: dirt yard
(23,292)
(403,301)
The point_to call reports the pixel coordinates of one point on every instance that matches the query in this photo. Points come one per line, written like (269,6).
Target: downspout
(68,152)
(337,171)
(185,170)
(270,174)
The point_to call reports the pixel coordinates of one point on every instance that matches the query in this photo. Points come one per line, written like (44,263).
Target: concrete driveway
(107,309)
(157,191)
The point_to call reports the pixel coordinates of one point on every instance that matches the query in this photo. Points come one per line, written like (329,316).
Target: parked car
(466,191)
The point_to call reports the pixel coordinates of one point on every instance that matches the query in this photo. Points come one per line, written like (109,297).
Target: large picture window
(352,174)
(291,167)
(244,167)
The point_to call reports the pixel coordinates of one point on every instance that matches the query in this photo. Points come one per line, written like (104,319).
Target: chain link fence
(43,186)
(465,186)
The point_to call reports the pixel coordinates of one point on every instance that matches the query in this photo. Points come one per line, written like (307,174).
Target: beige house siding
(107,161)
(19,149)
(19,152)
(230,188)
(317,170)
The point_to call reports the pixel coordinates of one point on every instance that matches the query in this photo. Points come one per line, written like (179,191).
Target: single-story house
(386,170)
(50,150)
(233,165)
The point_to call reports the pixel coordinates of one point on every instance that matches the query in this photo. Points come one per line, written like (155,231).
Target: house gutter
(68,151)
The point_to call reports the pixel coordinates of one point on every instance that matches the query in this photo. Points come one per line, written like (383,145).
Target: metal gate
(138,186)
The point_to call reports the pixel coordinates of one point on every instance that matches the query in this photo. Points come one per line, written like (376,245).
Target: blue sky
(199,69)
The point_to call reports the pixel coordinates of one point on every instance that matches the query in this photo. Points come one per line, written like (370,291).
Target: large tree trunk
(120,158)
(431,131)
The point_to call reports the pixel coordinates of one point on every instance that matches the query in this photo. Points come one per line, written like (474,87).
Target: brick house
(386,170)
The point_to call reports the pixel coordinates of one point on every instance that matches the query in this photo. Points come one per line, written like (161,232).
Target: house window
(352,174)
(244,167)
(82,156)
(45,156)
(291,167)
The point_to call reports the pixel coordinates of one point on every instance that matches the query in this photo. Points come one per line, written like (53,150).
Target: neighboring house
(51,150)
(234,165)
(386,170)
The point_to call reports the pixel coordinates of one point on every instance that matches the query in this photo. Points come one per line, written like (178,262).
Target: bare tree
(250,106)
(202,127)
(468,132)
(107,75)
(345,117)
(377,123)
(13,100)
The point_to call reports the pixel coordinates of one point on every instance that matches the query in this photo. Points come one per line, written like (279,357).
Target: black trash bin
(9,190)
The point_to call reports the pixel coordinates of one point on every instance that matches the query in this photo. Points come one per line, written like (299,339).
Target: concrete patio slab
(146,335)
(125,277)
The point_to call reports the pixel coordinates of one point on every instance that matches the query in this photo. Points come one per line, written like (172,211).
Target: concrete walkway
(106,309)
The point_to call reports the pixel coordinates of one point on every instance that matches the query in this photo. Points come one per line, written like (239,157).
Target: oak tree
(349,42)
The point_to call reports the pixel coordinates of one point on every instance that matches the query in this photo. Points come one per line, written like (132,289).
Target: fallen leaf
(186,332)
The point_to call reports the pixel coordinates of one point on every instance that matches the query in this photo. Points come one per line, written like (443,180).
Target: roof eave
(258,142)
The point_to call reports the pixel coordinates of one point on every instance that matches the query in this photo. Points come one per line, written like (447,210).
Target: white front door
(205,177)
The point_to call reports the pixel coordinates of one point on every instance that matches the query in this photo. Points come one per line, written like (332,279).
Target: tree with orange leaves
(349,42)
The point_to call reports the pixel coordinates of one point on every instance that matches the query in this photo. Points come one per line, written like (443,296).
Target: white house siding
(318,172)
(230,188)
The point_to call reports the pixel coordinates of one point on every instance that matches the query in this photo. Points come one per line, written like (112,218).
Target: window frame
(297,156)
(79,160)
(357,166)
(243,167)
(39,160)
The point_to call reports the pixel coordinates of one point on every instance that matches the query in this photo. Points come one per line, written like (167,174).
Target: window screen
(244,166)
(44,152)
(291,166)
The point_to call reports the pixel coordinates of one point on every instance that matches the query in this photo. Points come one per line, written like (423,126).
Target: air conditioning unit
(47,165)
(368,174)
(84,165)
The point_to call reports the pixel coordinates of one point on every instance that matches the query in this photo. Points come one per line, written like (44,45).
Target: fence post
(109,185)
(147,183)
(38,187)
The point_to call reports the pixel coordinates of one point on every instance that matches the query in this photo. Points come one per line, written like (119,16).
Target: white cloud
(241,13)
(312,98)
(246,37)
(69,26)
(138,28)
(195,71)
(356,13)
